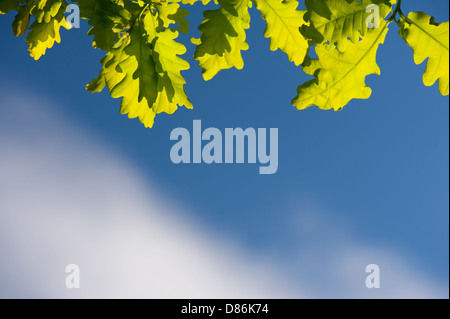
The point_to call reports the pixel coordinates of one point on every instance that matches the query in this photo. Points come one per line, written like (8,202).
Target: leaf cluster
(143,64)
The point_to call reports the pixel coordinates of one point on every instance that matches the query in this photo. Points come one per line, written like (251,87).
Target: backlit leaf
(44,32)
(429,40)
(223,37)
(338,21)
(283,24)
(144,69)
(340,76)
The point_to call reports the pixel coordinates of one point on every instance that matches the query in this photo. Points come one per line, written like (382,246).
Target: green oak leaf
(429,40)
(171,13)
(340,76)
(44,11)
(283,23)
(223,37)
(10,5)
(338,21)
(169,67)
(144,69)
(45,30)
(111,76)
(108,19)
(22,19)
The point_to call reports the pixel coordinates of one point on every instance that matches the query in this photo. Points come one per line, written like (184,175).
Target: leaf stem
(139,16)
(397,9)
(405,17)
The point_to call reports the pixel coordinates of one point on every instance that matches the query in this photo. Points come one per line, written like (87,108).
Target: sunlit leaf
(429,40)
(283,24)
(223,37)
(340,76)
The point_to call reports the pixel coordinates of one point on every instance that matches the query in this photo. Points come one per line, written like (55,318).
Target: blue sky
(376,172)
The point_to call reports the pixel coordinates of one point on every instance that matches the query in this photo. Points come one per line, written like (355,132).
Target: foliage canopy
(143,63)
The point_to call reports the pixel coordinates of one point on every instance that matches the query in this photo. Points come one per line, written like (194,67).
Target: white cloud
(66,198)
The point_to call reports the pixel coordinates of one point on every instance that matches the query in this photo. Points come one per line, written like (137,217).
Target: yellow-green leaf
(340,76)
(144,69)
(171,13)
(283,24)
(22,19)
(169,67)
(44,32)
(111,76)
(223,37)
(108,19)
(338,21)
(429,40)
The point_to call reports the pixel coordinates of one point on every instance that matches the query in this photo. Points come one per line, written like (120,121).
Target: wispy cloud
(66,198)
